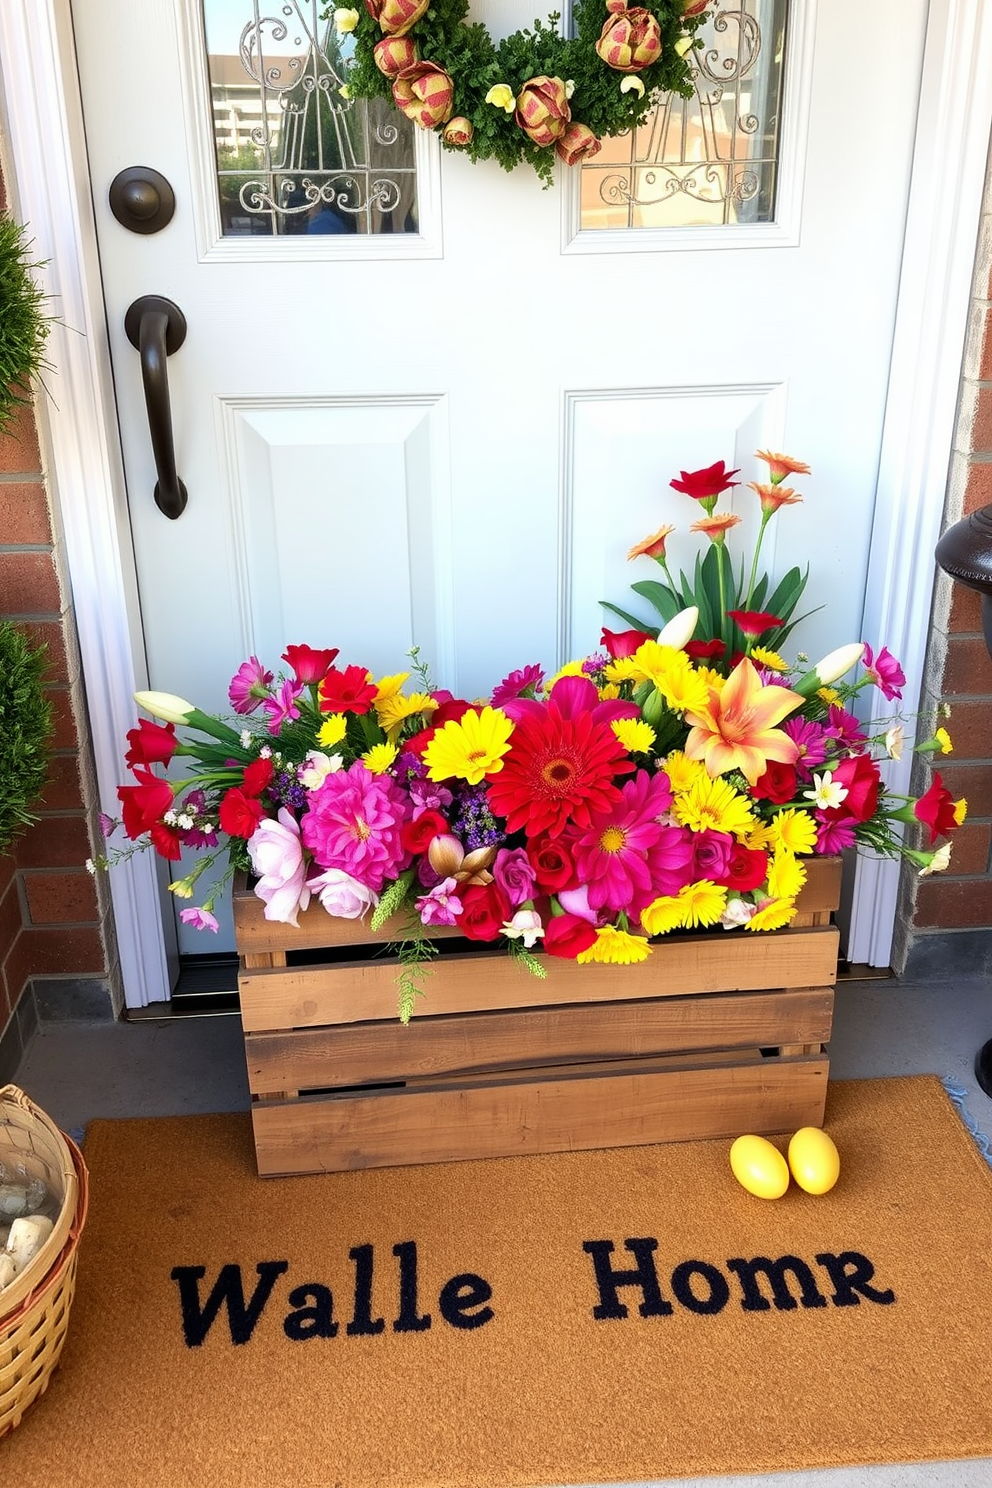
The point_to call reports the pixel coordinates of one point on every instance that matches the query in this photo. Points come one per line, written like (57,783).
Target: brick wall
(944,926)
(53,929)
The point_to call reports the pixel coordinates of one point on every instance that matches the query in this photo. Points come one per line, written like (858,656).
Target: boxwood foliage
(24,326)
(25,730)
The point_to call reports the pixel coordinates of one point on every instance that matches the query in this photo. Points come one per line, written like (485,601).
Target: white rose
(341,895)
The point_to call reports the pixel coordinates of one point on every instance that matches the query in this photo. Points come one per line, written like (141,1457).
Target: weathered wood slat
(544,1114)
(362,1053)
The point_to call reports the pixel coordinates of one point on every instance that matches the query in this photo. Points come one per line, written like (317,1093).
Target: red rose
(748,869)
(151,744)
(145,803)
(165,841)
(620,643)
(449,712)
(778,784)
(859,775)
(418,834)
(485,910)
(257,776)
(704,650)
(935,810)
(551,862)
(350,691)
(706,485)
(239,814)
(567,936)
(309,665)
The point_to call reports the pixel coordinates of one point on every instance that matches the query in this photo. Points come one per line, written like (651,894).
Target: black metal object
(157,328)
(142,200)
(965,552)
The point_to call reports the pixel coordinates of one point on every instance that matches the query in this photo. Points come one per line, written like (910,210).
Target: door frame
(48,187)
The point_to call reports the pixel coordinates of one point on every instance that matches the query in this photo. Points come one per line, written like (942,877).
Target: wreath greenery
(23,324)
(537,96)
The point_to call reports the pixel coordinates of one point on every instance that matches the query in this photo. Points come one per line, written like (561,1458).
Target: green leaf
(629,619)
(660,596)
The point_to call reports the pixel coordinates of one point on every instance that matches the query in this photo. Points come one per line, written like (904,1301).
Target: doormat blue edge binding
(958,1095)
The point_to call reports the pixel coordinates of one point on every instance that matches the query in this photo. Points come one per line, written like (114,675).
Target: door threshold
(206,986)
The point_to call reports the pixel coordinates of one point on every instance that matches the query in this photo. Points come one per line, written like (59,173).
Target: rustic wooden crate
(717,1033)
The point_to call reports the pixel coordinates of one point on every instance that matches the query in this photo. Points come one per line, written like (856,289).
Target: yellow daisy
(772,916)
(332,730)
(616,948)
(759,837)
(388,687)
(393,711)
(608,692)
(471,747)
(828,694)
(960,810)
(714,805)
(634,734)
(683,689)
(702,903)
(794,829)
(379,758)
(786,875)
(768,659)
(662,915)
(570,669)
(624,669)
(710,677)
(944,740)
(682,772)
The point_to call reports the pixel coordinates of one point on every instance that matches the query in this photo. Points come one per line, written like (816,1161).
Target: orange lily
(737,729)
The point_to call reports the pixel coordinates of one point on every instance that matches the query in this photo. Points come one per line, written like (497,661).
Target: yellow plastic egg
(814,1160)
(759,1167)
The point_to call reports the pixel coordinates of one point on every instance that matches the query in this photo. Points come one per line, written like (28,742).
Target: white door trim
(47,180)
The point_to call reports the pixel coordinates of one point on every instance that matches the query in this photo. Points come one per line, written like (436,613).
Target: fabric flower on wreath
(630,39)
(542,109)
(425,94)
(395,17)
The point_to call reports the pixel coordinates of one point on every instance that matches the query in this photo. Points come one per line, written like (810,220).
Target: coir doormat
(597,1316)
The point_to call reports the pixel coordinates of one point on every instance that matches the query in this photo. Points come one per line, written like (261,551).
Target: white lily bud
(164,705)
(679,629)
(832,667)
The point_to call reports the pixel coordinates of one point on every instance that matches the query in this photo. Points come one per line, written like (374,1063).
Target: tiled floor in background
(78,1071)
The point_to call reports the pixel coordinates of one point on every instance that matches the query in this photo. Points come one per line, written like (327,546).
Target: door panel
(457,450)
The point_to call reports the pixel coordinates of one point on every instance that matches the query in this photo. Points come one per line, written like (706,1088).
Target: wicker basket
(34,1308)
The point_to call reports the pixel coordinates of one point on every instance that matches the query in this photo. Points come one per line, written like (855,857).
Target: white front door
(452,441)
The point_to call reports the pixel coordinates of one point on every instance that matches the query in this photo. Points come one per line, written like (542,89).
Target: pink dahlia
(628,856)
(249,686)
(355,823)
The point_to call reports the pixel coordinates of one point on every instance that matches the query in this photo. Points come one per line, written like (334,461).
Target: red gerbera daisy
(559,770)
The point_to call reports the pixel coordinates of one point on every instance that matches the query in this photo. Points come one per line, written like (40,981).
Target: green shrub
(25,730)
(23,324)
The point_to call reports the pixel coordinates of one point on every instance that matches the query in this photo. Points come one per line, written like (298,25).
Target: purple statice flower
(408,767)
(886,673)
(833,836)
(472,820)
(281,707)
(201,833)
(249,686)
(596,663)
(427,795)
(813,742)
(526,682)
(442,905)
(844,727)
(286,790)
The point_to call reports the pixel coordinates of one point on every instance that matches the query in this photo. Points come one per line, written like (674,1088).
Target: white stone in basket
(7,1270)
(27,1235)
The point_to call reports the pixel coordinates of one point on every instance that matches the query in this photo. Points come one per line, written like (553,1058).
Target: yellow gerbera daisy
(786,875)
(682,772)
(683,689)
(960,810)
(332,730)
(608,692)
(634,734)
(770,660)
(711,677)
(570,669)
(388,687)
(394,710)
(794,829)
(772,916)
(828,694)
(713,805)
(944,740)
(662,915)
(759,837)
(616,948)
(379,758)
(702,903)
(624,669)
(471,747)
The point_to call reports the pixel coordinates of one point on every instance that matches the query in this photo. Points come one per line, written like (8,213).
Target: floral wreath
(537,95)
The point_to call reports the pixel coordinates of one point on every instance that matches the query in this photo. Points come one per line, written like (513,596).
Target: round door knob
(142,200)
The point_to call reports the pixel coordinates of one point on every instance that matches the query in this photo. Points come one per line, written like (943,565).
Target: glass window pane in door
(710,159)
(293,156)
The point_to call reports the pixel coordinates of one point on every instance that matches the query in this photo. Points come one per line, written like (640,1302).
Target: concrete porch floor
(187,1065)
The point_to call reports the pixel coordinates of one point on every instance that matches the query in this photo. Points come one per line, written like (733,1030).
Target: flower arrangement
(537,96)
(673,781)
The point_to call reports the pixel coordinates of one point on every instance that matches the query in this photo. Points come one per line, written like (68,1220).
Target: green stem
(754,564)
(720,560)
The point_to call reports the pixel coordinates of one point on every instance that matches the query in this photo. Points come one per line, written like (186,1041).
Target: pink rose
(542,110)
(630,40)
(277,860)
(514,873)
(341,895)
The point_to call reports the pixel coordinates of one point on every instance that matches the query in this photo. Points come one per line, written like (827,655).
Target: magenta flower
(200,919)
(833,836)
(813,741)
(442,905)
(249,686)
(529,680)
(281,706)
(886,673)
(514,873)
(844,726)
(355,823)
(108,825)
(712,853)
(627,856)
(427,795)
